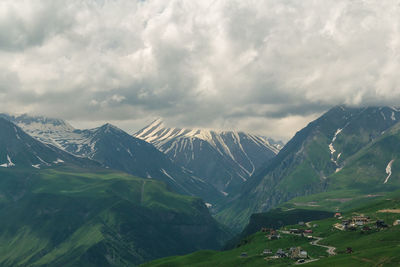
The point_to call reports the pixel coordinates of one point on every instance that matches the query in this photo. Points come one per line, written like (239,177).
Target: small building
(266,230)
(345,224)
(280,253)
(337,215)
(294,252)
(308,231)
(396,222)
(301,223)
(243,255)
(267,252)
(315,225)
(381,224)
(273,232)
(303,254)
(359,220)
(298,253)
(274,236)
(295,231)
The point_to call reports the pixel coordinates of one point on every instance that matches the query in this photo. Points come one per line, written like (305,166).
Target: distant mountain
(115,149)
(315,153)
(20,149)
(48,130)
(224,159)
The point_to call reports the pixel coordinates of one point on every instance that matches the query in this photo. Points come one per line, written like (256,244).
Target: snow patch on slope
(169,176)
(332,149)
(388,171)
(58,161)
(383,115)
(9,164)
(224,193)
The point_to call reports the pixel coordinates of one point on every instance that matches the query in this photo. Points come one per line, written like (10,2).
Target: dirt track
(389,211)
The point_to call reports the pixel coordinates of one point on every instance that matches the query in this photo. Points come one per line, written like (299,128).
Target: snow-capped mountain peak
(17,148)
(158,134)
(204,151)
(108,128)
(39,123)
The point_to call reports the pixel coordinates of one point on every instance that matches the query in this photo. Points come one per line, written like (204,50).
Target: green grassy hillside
(374,247)
(346,149)
(67,216)
(361,180)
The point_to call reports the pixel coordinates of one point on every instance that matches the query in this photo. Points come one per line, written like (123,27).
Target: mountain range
(51,172)
(116,149)
(226,159)
(58,209)
(209,164)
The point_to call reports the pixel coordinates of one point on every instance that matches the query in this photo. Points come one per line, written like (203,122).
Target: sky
(267,67)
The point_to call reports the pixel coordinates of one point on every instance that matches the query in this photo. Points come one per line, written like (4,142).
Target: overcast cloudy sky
(266,66)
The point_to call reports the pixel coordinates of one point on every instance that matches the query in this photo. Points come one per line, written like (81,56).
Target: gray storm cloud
(262,66)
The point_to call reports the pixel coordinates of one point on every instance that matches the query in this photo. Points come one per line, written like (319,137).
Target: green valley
(69,216)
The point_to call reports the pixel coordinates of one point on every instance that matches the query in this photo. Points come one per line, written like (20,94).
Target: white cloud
(260,65)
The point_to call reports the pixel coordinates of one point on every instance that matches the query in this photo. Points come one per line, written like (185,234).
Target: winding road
(330,250)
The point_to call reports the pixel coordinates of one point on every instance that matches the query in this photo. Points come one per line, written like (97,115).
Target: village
(305,230)
(295,252)
(360,221)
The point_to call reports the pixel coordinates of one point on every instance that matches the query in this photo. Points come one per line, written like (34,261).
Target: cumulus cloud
(264,66)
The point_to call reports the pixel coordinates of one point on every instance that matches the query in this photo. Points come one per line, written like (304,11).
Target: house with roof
(337,215)
(294,252)
(266,230)
(267,252)
(281,253)
(298,253)
(381,224)
(345,224)
(359,220)
(303,254)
